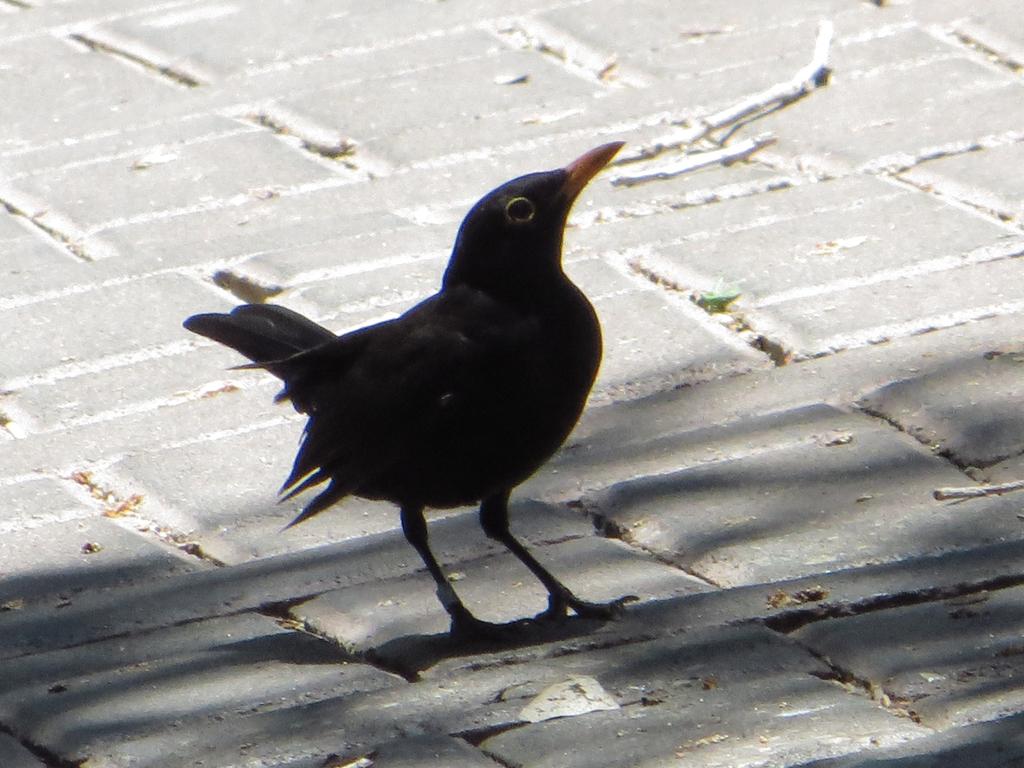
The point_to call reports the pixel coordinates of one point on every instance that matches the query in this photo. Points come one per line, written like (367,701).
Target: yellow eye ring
(519,210)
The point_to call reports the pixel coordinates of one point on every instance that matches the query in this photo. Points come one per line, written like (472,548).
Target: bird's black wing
(384,394)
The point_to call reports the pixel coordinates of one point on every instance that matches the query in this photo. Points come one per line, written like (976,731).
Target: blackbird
(461,398)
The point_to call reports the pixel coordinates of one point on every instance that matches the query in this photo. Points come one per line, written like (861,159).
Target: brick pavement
(762,477)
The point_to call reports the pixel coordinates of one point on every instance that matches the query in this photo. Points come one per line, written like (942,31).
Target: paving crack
(54,227)
(113,503)
(610,529)
(718,305)
(789,621)
(852,683)
(329,144)
(20,5)
(581,60)
(1001,59)
(320,142)
(140,55)
(968,469)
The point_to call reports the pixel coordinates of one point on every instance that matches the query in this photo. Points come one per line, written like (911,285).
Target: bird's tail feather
(264,333)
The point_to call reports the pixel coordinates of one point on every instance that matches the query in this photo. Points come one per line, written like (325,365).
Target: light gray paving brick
(134,387)
(40,335)
(463,103)
(108,94)
(140,143)
(210,38)
(836,320)
(809,239)
(86,703)
(862,122)
(839,493)
(29,502)
(947,663)
(223,494)
(978,179)
(216,169)
(52,566)
(693,42)
(653,344)
(100,442)
(970,412)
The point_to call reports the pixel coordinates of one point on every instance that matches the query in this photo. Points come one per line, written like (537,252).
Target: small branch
(977,491)
(687,163)
(813,75)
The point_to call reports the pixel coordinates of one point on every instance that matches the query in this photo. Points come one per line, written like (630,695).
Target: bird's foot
(560,603)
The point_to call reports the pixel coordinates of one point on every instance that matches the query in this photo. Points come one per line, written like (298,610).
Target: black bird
(461,398)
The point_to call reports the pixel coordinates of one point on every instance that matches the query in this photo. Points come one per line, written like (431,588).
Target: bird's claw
(560,604)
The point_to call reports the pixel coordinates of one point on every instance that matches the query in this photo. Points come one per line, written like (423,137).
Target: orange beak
(581,170)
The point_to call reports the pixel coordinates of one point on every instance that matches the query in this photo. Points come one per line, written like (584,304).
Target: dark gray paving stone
(161,602)
(497,588)
(947,663)
(736,664)
(969,411)
(429,752)
(1007,471)
(784,606)
(86,702)
(978,179)
(825,494)
(666,431)
(51,566)
(996,744)
(719,698)
(14,755)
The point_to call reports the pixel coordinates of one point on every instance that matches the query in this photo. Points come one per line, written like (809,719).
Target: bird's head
(511,240)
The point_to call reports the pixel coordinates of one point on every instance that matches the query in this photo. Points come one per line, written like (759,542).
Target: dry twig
(977,491)
(811,76)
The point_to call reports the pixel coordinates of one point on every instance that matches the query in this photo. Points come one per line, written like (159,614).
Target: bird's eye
(519,210)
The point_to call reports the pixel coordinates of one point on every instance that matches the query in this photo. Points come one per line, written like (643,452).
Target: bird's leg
(464,624)
(494,520)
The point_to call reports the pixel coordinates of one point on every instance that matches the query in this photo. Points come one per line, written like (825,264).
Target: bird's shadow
(409,655)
